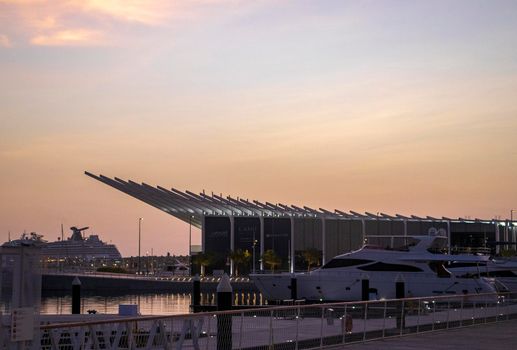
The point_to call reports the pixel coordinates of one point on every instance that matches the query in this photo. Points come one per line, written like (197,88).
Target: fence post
(271,329)
(321,326)
(461,313)
(384,319)
(486,309)
(364,320)
(434,310)
(224,322)
(418,315)
(297,325)
(346,324)
(448,312)
(402,318)
(240,330)
(76,296)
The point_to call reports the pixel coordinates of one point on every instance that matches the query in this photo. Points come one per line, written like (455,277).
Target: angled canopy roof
(191,207)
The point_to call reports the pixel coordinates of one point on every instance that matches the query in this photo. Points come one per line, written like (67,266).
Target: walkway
(495,336)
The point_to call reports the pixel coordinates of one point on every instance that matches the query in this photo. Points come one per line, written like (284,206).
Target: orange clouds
(68,37)
(147,12)
(74,22)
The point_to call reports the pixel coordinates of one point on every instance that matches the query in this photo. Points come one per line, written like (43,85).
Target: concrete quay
(493,336)
(132,283)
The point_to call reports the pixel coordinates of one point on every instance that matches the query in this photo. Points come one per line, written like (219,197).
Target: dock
(499,336)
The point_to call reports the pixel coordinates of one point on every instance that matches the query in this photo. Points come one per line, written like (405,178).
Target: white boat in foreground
(418,268)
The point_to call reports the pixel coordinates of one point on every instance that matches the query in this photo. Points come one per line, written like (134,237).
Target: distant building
(229,223)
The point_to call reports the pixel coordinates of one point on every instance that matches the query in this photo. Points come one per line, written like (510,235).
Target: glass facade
(341,236)
(217,232)
(247,231)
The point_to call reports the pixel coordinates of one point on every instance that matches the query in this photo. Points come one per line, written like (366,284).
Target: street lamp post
(190,245)
(139,242)
(253,249)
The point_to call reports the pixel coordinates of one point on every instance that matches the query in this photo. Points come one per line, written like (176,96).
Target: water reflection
(150,303)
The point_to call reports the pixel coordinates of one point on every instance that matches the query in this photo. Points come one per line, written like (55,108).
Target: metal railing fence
(296,327)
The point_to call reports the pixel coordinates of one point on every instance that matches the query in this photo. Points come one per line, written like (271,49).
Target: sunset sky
(384,106)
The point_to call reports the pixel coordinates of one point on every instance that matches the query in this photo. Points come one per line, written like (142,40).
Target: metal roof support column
(506,225)
(203,233)
(232,241)
(405,227)
(323,242)
(291,263)
(449,236)
(261,218)
(497,238)
(364,230)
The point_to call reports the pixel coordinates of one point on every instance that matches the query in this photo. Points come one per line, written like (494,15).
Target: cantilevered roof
(191,207)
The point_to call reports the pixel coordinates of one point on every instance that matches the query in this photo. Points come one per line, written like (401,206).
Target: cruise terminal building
(231,223)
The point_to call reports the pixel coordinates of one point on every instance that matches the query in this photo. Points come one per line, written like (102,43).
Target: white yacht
(372,272)
(503,270)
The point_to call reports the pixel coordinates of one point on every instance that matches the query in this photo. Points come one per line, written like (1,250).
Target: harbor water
(149,303)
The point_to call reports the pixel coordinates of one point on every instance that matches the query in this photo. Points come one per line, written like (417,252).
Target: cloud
(4,41)
(95,22)
(70,37)
(80,22)
(142,11)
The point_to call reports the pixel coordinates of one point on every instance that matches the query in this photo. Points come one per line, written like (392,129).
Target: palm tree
(312,257)
(272,259)
(239,257)
(203,260)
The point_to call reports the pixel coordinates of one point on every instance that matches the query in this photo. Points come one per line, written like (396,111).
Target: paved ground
(497,336)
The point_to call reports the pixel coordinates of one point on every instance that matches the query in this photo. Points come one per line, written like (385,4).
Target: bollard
(224,322)
(294,288)
(196,293)
(400,293)
(76,296)
(365,289)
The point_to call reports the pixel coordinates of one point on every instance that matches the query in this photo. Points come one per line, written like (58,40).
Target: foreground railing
(285,327)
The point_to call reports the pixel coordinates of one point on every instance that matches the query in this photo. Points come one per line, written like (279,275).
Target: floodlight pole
(190,245)
(253,249)
(139,242)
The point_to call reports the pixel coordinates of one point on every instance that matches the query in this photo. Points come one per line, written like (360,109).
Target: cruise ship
(75,247)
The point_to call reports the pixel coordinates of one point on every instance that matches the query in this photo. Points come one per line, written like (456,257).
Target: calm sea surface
(150,303)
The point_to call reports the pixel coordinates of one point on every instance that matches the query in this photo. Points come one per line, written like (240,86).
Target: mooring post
(365,289)
(224,322)
(294,288)
(196,293)
(76,296)
(400,293)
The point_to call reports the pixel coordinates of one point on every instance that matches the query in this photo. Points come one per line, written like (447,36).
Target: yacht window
(380,266)
(501,273)
(334,263)
(441,271)
(466,264)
